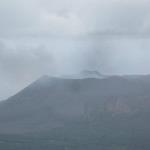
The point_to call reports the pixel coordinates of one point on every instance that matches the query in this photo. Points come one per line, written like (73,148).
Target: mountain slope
(116,108)
(49,102)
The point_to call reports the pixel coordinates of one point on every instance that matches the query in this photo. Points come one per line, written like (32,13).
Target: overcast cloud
(40,37)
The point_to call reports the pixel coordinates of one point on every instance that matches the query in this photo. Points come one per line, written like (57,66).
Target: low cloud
(62,37)
(23,62)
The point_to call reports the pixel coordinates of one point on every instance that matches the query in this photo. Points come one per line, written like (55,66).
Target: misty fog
(23,61)
(40,37)
(74,74)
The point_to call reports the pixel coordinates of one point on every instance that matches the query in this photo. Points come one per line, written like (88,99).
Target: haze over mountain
(95,56)
(59,37)
(80,110)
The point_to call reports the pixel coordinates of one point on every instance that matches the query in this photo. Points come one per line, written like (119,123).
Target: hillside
(109,111)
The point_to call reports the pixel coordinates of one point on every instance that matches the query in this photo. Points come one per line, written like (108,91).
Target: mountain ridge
(111,110)
(67,99)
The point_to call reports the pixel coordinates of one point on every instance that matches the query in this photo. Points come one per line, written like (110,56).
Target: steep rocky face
(52,102)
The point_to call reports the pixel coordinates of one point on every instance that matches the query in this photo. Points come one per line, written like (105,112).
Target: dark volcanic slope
(54,103)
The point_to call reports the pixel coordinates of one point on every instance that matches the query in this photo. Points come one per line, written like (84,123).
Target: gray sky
(40,37)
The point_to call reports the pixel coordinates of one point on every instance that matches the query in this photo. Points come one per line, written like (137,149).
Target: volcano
(78,113)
